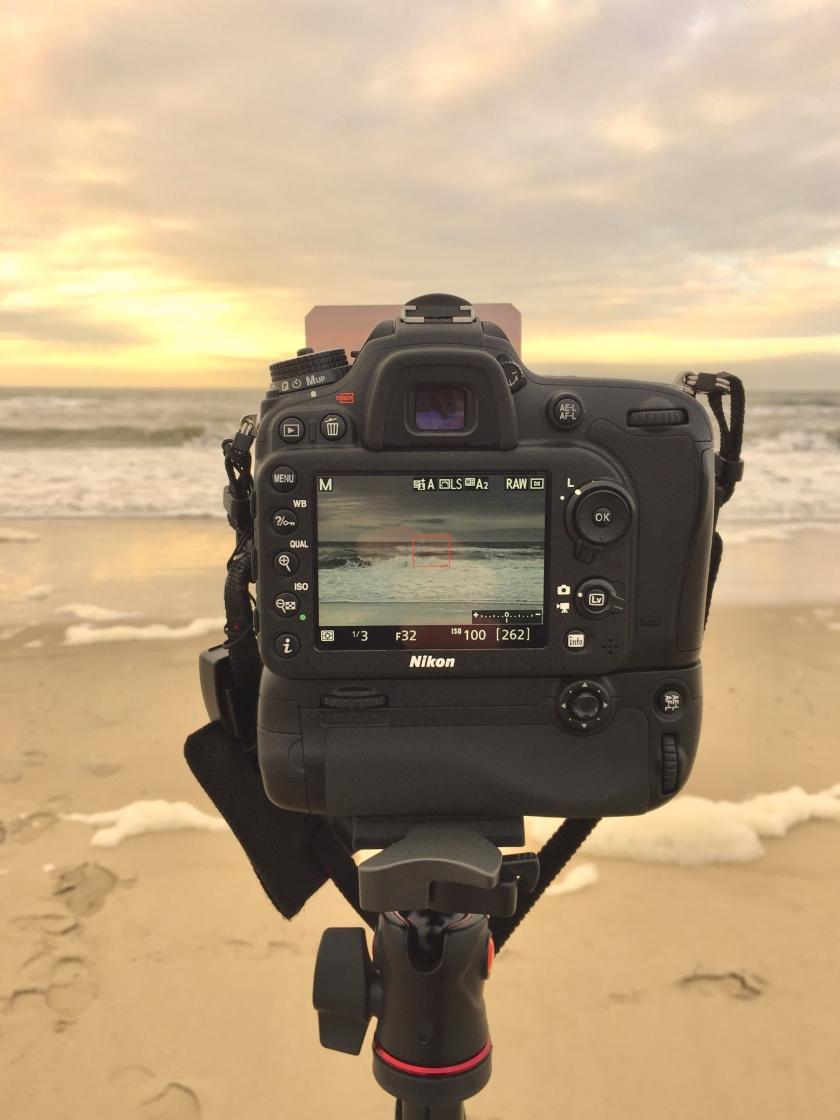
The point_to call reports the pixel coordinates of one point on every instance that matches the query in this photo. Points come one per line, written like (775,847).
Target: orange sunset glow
(651,185)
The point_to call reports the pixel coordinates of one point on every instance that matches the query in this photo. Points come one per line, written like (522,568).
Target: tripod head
(432,953)
(446,867)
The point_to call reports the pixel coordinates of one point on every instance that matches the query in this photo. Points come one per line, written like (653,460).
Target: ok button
(602,516)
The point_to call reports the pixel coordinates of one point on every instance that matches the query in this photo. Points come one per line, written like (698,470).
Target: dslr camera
(481,592)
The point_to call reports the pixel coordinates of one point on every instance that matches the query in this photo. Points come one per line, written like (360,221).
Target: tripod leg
(408,1111)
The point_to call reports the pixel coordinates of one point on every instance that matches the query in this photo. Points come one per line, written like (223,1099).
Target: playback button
(292,429)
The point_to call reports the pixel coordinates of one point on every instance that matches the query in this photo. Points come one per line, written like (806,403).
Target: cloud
(194,185)
(54,324)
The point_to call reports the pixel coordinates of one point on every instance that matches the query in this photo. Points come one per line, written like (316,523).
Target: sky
(656,186)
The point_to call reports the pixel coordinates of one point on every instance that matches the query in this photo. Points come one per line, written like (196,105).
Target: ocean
(155,453)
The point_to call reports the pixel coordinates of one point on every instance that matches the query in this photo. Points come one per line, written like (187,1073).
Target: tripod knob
(346,990)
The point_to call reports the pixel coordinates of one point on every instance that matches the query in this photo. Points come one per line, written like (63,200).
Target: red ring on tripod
(433,1071)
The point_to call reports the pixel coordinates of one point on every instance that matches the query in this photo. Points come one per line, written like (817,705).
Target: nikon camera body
(481,592)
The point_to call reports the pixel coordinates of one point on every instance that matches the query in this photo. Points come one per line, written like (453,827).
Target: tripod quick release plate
(448,868)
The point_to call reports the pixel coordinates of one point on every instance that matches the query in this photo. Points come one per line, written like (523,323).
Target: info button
(575,639)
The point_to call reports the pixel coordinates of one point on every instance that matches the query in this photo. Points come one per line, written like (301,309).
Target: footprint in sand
(30,826)
(104,769)
(26,1000)
(50,924)
(175,1101)
(83,889)
(72,987)
(734,984)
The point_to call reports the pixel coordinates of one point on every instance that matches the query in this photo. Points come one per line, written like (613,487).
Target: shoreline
(171,571)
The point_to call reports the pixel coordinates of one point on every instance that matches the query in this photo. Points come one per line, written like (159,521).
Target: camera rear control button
(565,412)
(596,598)
(284,479)
(354,698)
(671,701)
(670,764)
(514,374)
(602,516)
(333,426)
(286,563)
(287,605)
(284,520)
(292,430)
(575,639)
(585,706)
(287,645)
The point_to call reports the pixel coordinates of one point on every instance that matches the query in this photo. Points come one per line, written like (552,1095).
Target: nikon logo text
(425,661)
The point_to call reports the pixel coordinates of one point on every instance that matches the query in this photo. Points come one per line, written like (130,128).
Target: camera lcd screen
(431,561)
(440,408)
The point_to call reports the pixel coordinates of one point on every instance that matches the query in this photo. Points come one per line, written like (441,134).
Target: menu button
(284,479)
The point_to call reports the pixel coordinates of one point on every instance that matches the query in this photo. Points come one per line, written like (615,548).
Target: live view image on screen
(431,561)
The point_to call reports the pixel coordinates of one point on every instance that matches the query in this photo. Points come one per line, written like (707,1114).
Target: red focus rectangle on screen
(426,549)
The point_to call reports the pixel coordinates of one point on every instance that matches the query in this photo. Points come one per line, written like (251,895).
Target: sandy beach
(153,980)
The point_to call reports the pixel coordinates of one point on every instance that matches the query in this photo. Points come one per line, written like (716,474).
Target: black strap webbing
(729,467)
(553,857)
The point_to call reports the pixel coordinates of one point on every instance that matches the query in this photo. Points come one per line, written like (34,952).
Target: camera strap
(729,467)
(293,854)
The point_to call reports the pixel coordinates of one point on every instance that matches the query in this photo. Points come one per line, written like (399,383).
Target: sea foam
(16,536)
(139,817)
(582,875)
(89,612)
(83,634)
(691,831)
